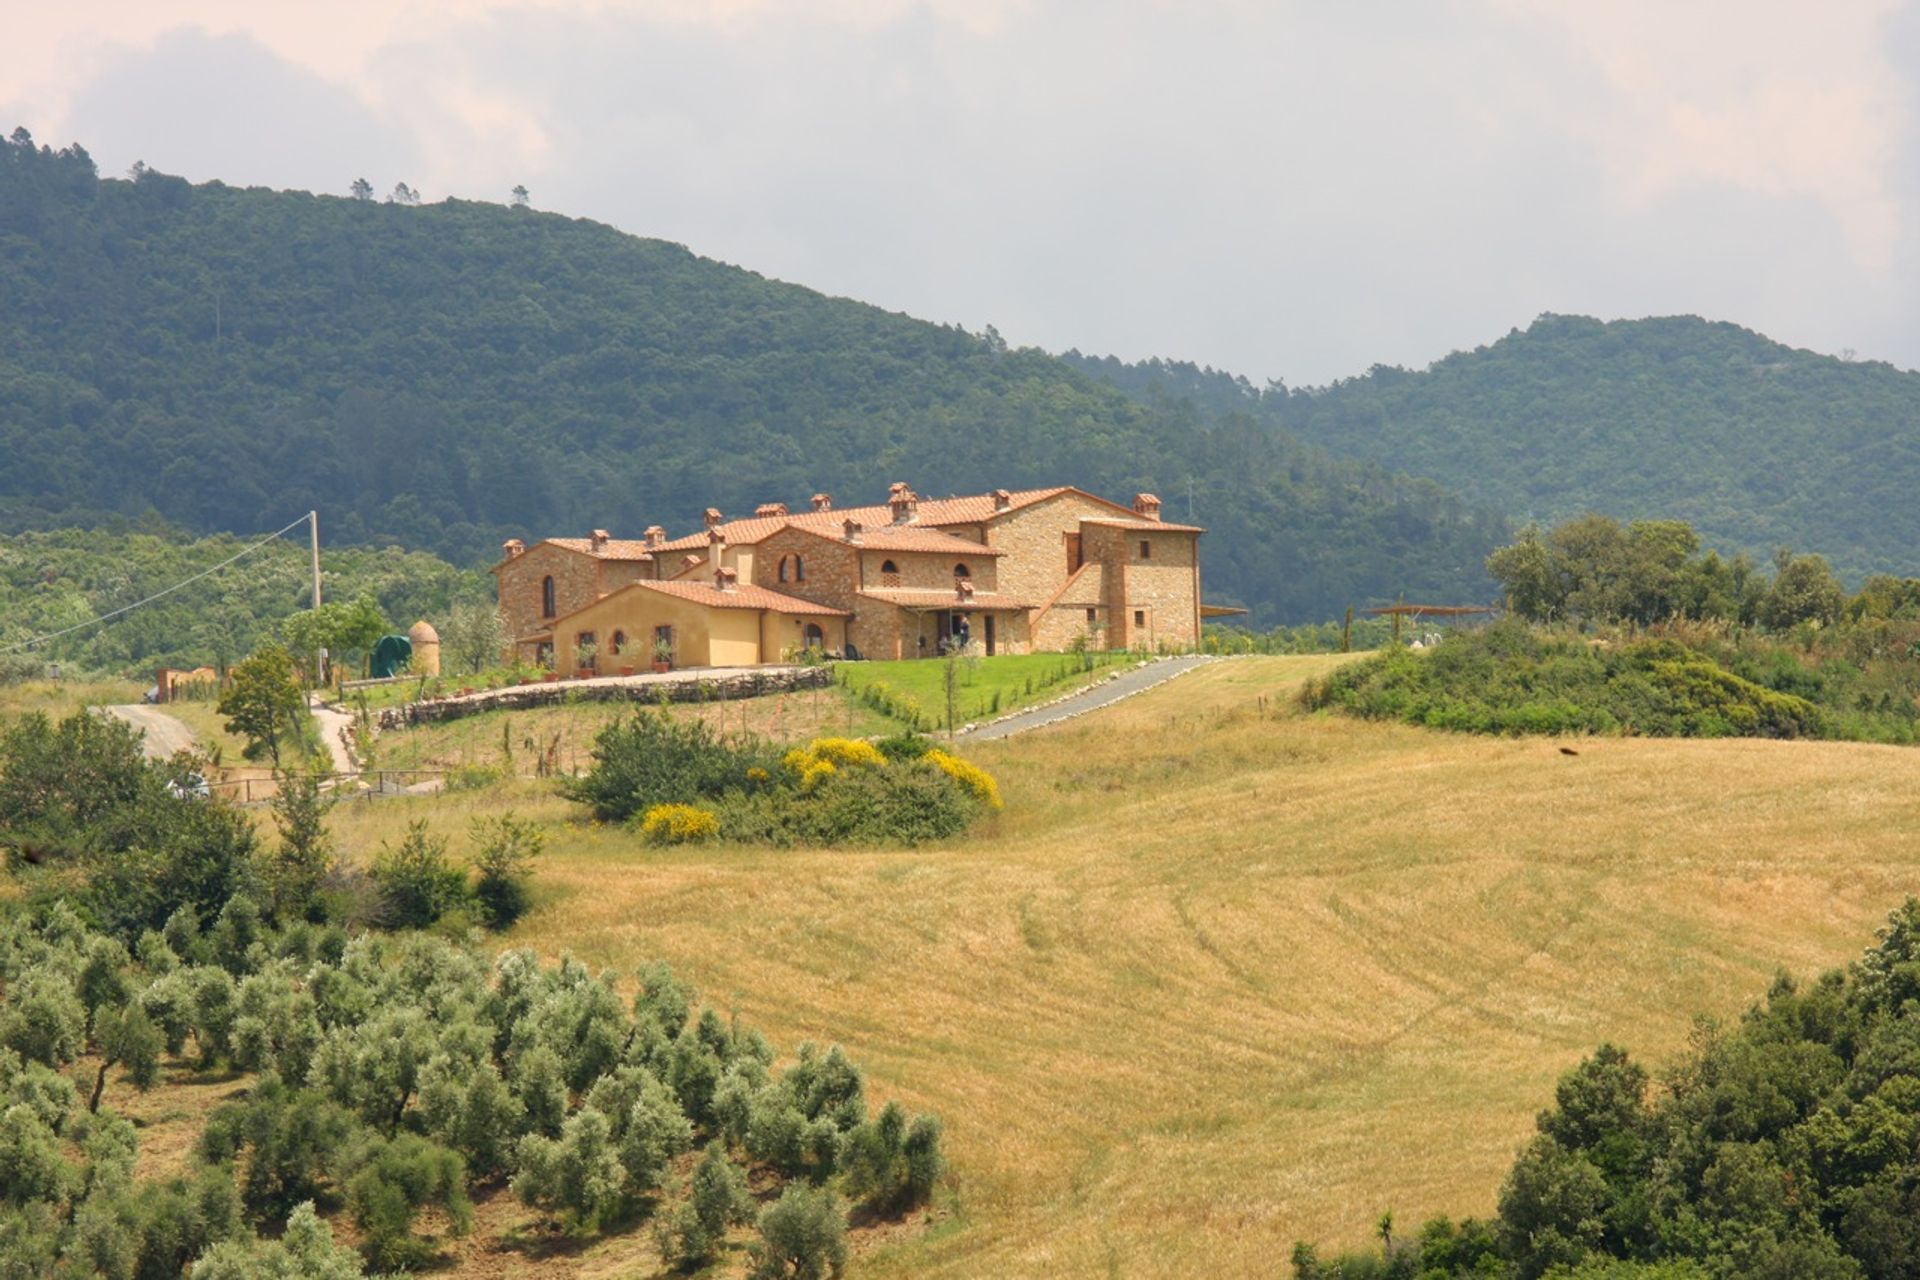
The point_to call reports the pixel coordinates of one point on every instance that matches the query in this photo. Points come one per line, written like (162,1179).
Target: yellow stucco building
(1002,572)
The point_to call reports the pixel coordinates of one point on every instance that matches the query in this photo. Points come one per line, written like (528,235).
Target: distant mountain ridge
(446,376)
(1757,444)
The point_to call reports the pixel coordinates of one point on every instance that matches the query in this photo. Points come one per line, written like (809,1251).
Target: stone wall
(576,584)
(687,688)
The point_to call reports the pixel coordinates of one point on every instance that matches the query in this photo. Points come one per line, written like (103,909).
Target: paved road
(333,725)
(164,734)
(1139,679)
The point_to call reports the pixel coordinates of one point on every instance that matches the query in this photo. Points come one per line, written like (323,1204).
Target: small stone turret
(426,648)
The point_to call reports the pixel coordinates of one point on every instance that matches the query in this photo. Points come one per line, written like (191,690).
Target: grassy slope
(987,687)
(1225,976)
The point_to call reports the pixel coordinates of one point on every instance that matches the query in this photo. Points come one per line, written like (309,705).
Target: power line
(185,582)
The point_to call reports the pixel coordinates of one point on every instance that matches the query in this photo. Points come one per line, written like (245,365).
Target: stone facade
(1008,572)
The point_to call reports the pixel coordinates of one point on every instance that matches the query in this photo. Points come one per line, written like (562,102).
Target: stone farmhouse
(1007,572)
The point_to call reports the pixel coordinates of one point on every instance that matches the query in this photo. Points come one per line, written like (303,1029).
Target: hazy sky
(1292,190)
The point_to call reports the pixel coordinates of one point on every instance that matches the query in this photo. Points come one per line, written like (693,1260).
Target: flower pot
(662,667)
(552,677)
(626,671)
(585,673)
(466,692)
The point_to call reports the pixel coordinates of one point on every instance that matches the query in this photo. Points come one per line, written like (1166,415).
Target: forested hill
(1756,444)
(444,376)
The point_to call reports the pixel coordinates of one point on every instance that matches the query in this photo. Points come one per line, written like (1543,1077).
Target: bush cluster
(391,1075)
(1782,1147)
(1511,678)
(680,782)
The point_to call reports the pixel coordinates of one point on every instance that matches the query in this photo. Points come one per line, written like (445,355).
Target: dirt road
(163,734)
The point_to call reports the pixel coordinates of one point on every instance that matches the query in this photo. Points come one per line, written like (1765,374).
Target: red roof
(1144,525)
(743,596)
(908,537)
(930,512)
(611,549)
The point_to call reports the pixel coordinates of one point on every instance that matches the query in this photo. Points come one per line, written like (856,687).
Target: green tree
(718,1199)
(305,852)
(126,1038)
(418,884)
(474,636)
(263,702)
(504,851)
(803,1236)
(344,629)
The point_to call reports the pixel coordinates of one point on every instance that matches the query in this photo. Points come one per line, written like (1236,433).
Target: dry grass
(58,699)
(514,740)
(1225,976)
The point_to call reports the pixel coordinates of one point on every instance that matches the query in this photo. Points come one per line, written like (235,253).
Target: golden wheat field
(1226,975)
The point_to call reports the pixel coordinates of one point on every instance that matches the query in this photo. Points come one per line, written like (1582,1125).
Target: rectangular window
(1093,616)
(584,650)
(1073,553)
(1146,549)
(1139,617)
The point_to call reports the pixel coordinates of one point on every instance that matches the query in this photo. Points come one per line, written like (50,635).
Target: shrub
(803,1236)
(505,849)
(907,803)
(679,824)
(718,1199)
(417,883)
(394,1181)
(977,781)
(577,1175)
(891,1164)
(652,759)
(305,1252)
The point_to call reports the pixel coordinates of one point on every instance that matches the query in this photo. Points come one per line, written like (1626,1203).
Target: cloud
(1284,188)
(224,106)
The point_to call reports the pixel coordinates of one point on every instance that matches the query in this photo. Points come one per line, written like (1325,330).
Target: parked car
(190,787)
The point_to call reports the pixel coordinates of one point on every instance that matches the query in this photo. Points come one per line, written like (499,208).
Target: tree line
(445,376)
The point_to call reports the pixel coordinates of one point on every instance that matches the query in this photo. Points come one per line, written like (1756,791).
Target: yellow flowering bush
(679,824)
(757,774)
(978,782)
(824,757)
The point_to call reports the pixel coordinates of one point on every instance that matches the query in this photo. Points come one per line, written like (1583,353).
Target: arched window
(889,574)
(799,568)
(546,597)
(785,562)
(961,571)
(816,638)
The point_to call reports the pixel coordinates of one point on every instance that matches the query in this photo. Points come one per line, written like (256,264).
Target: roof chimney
(823,502)
(852,528)
(1146,506)
(599,539)
(725,579)
(513,547)
(904,503)
(716,539)
(770,509)
(655,535)
(687,562)
(713,516)
(1002,500)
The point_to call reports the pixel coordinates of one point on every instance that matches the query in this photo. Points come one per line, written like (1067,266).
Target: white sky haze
(1292,190)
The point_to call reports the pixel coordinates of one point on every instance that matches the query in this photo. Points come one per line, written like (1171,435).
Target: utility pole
(313,531)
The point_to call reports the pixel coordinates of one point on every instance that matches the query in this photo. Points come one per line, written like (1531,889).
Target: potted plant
(663,655)
(547,671)
(584,659)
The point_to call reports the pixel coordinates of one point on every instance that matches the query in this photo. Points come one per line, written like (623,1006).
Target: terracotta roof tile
(930,512)
(1146,526)
(743,596)
(613,549)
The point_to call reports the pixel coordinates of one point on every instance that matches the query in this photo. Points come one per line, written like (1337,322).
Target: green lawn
(914,690)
